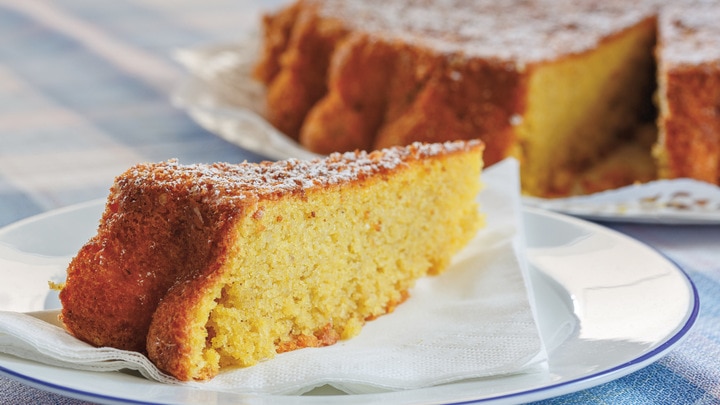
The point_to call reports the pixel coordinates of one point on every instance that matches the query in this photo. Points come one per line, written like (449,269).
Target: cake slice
(204,267)
(689,92)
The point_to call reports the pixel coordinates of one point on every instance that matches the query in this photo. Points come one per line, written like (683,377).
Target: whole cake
(689,92)
(210,266)
(564,86)
(559,85)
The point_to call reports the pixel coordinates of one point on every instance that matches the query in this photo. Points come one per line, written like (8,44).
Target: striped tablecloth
(84,94)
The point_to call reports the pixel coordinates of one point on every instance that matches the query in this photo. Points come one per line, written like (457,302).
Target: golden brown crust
(452,99)
(299,62)
(388,93)
(371,92)
(689,92)
(169,337)
(278,28)
(111,291)
(348,117)
(692,127)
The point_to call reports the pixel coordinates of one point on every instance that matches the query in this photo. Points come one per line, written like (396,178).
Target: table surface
(85,93)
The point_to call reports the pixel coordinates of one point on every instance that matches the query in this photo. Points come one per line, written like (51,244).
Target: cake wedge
(205,267)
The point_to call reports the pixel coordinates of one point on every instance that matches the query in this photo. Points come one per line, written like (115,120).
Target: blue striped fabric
(70,108)
(84,94)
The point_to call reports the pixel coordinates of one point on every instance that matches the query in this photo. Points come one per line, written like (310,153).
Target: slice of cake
(557,84)
(689,92)
(210,266)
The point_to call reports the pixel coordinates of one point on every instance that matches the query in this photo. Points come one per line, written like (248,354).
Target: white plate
(623,306)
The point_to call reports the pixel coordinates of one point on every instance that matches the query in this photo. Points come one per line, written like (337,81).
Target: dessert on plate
(204,267)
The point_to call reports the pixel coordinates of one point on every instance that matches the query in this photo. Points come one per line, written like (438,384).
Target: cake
(689,92)
(206,267)
(564,86)
(559,85)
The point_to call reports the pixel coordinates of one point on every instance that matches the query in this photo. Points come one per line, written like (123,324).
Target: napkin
(475,320)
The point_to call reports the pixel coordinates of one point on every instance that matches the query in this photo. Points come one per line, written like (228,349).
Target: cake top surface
(223,181)
(512,30)
(690,35)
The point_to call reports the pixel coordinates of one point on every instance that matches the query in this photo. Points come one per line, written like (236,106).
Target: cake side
(154,230)
(689,93)
(361,72)
(384,92)
(295,55)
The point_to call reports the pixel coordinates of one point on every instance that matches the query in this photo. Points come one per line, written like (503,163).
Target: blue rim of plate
(552,390)
(627,367)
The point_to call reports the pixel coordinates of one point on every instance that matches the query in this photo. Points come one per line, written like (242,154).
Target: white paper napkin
(474,320)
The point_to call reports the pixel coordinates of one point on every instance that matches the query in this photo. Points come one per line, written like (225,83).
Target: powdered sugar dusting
(222,181)
(518,31)
(690,35)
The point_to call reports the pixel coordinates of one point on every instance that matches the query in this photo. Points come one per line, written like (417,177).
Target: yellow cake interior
(575,102)
(330,260)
